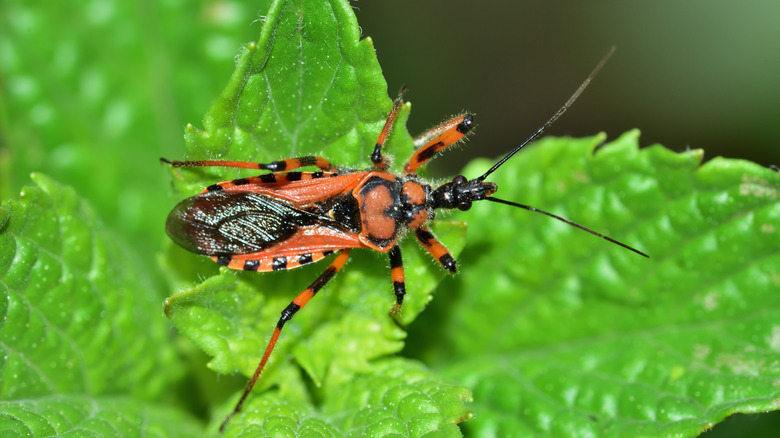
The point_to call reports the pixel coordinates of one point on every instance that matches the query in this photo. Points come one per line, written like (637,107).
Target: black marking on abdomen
(268,178)
(279,263)
(305,259)
(251,265)
(224,260)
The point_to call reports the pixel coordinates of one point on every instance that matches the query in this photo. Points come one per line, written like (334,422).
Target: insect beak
(490,188)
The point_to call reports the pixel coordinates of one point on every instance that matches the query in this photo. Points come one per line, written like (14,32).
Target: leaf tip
(466,417)
(168,308)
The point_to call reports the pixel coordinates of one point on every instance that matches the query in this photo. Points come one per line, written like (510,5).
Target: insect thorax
(389,205)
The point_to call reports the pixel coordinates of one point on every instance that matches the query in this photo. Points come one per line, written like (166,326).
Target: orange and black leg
(376,157)
(274,166)
(297,304)
(438,139)
(397,274)
(436,249)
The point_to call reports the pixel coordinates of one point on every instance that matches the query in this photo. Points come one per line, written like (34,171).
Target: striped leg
(376,157)
(435,248)
(274,166)
(438,139)
(287,314)
(397,274)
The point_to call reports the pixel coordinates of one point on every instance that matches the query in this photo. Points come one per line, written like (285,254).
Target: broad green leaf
(573,336)
(95,92)
(78,315)
(397,398)
(80,415)
(558,332)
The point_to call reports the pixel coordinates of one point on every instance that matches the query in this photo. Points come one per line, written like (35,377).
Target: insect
(287,218)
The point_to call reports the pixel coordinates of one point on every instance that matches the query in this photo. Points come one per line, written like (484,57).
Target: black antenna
(574,224)
(554,117)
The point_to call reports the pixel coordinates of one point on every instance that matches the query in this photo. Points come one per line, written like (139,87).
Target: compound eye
(460,180)
(463,206)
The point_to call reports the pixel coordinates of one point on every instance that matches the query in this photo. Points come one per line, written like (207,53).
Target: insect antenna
(574,224)
(554,117)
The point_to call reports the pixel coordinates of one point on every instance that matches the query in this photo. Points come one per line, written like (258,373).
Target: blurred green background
(693,74)
(93,92)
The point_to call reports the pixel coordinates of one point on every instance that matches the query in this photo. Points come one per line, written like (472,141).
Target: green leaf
(397,398)
(308,86)
(116,89)
(79,415)
(573,336)
(95,92)
(73,297)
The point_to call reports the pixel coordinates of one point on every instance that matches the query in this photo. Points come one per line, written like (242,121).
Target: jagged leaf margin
(81,415)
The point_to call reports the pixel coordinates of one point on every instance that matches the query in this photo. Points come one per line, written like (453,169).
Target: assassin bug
(286,218)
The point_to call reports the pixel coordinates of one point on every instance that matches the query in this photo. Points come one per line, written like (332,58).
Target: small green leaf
(73,297)
(396,398)
(80,415)
(573,336)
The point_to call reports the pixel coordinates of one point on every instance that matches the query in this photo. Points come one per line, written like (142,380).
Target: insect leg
(435,248)
(287,314)
(274,166)
(376,157)
(438,139)
(397,274)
